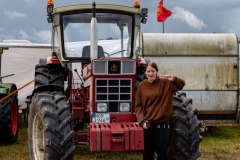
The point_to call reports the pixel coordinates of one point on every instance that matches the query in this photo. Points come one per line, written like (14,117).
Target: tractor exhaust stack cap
(94,9)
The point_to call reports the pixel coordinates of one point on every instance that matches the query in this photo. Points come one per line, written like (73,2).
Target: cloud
(43,36)
(23,34)
(34,36)
(5,37)
(28,1)
(189,18)
(14,14)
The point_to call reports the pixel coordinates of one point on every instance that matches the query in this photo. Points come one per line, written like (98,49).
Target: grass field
(224,144)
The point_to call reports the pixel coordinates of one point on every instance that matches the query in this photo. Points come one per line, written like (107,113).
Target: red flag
(162,12)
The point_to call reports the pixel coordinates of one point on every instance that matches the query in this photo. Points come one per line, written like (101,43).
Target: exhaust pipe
(94,34)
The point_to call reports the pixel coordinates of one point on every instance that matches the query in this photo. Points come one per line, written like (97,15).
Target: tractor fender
(5,88)
(47,88)
(49,60)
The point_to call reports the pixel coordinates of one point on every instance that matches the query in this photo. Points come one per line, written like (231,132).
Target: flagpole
(163,27)
(162,23)
(162,14)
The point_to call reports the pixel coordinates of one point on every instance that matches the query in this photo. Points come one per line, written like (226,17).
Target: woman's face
(151,73)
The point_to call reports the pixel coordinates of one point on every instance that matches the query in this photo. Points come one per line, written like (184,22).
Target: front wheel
(50,132)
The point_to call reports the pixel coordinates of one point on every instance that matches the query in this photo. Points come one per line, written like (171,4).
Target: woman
(153,108)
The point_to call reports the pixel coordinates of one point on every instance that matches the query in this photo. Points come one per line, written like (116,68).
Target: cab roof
(98,6)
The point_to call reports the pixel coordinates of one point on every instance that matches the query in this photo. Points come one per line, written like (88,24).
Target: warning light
(50,3)
(136,4)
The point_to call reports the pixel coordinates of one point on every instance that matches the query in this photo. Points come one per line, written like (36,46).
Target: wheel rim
(14,116)
(38,138)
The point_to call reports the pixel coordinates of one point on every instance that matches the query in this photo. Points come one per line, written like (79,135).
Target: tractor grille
(114,67)
(113,91)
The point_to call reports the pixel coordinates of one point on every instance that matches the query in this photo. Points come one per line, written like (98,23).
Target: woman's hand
(169,77)
(145,125)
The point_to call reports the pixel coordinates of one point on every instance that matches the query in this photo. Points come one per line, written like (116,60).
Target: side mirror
(144,12)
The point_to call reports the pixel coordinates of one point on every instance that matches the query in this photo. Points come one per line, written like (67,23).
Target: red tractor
(85,91)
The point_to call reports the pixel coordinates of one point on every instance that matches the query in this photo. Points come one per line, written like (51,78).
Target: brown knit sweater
(154,100)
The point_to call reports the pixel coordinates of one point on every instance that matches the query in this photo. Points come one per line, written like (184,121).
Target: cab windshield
(114,35)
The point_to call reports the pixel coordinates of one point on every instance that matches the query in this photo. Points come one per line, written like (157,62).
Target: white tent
(21,61)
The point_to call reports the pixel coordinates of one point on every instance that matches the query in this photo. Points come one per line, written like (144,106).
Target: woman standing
(153,109)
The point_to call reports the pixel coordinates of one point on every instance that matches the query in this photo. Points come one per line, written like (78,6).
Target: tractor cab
(85,32)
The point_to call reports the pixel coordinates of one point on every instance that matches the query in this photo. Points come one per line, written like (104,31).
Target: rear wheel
(9,119)
(185,130)
(50,132)
(49,75)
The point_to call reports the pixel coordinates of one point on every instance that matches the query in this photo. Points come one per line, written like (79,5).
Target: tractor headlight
(102,107)
(124,107)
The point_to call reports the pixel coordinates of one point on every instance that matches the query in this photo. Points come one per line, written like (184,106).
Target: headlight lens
(102,107)
(124,107)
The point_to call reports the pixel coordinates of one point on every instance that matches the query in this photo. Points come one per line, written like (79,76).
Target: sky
(27,19)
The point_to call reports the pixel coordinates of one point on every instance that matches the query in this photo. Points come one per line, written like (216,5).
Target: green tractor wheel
(9,119)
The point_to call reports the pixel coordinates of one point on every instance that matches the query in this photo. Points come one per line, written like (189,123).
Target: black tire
(185,130)
(50,131)
(49,75)
(9,119)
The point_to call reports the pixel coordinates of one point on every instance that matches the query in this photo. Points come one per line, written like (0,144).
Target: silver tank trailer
(209,63)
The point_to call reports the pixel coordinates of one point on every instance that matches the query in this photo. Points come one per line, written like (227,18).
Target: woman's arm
(139,110)
(177,82)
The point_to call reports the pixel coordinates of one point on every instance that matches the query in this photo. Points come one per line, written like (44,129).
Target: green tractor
(9,116)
